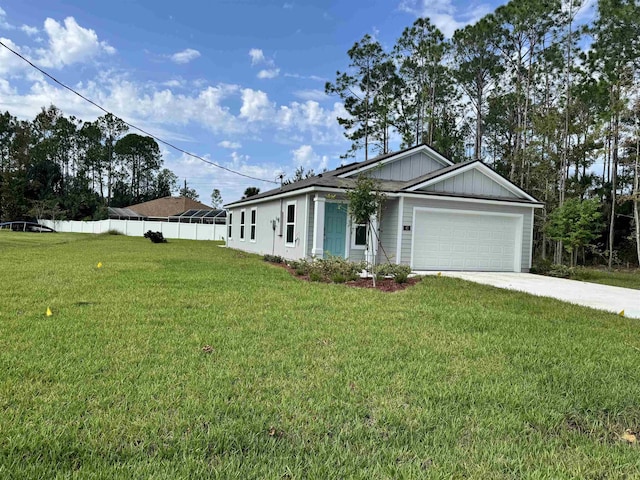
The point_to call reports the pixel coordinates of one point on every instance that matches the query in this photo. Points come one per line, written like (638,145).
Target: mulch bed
(385,285)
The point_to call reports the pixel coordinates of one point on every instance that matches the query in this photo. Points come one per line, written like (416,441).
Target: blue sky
(239,82)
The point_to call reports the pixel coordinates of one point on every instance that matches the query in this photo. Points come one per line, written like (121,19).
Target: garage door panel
(465,241)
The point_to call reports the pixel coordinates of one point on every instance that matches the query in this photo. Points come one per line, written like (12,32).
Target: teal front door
(335,228)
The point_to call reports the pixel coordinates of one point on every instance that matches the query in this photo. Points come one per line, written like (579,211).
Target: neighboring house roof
(344,177)
(167,206)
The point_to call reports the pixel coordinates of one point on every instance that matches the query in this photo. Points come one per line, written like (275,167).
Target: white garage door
(455,240)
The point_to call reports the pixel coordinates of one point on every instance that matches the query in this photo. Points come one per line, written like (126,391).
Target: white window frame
(243,221)
(287,223)
(230,226)
(253,219)
(354,227)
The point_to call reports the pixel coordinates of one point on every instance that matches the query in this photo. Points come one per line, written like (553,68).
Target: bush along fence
(137,228)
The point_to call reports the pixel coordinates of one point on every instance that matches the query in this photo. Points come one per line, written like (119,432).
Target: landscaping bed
(383,284)
(389,277)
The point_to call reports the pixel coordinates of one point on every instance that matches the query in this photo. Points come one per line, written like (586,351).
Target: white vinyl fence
(137,228)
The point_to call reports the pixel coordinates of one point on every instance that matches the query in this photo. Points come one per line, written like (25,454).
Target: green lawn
(447,379)
(617,278)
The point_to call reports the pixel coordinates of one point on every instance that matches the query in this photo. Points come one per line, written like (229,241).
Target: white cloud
(256,105)
(304,115)
(163,109)
(444,15)
(305,157)
(3,22)
(587,12)
(10,63)
(230,145)
(5,87)
(270,73)
(31,31)
(185,56)
(70,43)
(312,94)
(204,177)
(174,83)
(257,56)
(306,77)
(137,103)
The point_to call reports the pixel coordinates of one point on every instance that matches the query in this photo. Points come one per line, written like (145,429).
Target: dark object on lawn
(26,227)
(155,237)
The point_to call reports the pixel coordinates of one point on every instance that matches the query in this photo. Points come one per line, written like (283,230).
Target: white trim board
(517,262)
(448,198)
(287,223)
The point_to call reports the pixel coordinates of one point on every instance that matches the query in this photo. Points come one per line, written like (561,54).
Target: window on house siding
(242,214)
(252,232)
(359,236)
(291,223)
(230,224)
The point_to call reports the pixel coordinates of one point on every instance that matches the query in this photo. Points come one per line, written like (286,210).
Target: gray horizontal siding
(410,203)
(356,254)
(388,232)
(267,240)
(471,182)
(407,168)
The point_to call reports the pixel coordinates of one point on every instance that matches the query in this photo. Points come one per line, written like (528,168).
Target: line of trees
(62,167)
(551,104)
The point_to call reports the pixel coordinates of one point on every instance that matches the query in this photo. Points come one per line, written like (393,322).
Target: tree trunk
(525,115)
(371,259)
(636,195)
(478,143)
(614,178)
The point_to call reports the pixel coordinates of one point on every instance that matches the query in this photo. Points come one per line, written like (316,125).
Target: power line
(158,139)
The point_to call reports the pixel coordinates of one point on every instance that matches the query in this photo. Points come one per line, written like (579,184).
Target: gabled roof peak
(394,156)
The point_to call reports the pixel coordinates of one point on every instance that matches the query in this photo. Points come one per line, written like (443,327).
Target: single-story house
(437,216)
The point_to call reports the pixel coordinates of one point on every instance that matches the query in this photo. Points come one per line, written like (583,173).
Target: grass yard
(447,379)
(617,278)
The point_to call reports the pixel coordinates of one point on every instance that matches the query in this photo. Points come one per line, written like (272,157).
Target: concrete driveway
(601,297)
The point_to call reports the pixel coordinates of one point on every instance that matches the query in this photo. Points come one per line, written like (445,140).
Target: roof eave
(516,202)
(288,193)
